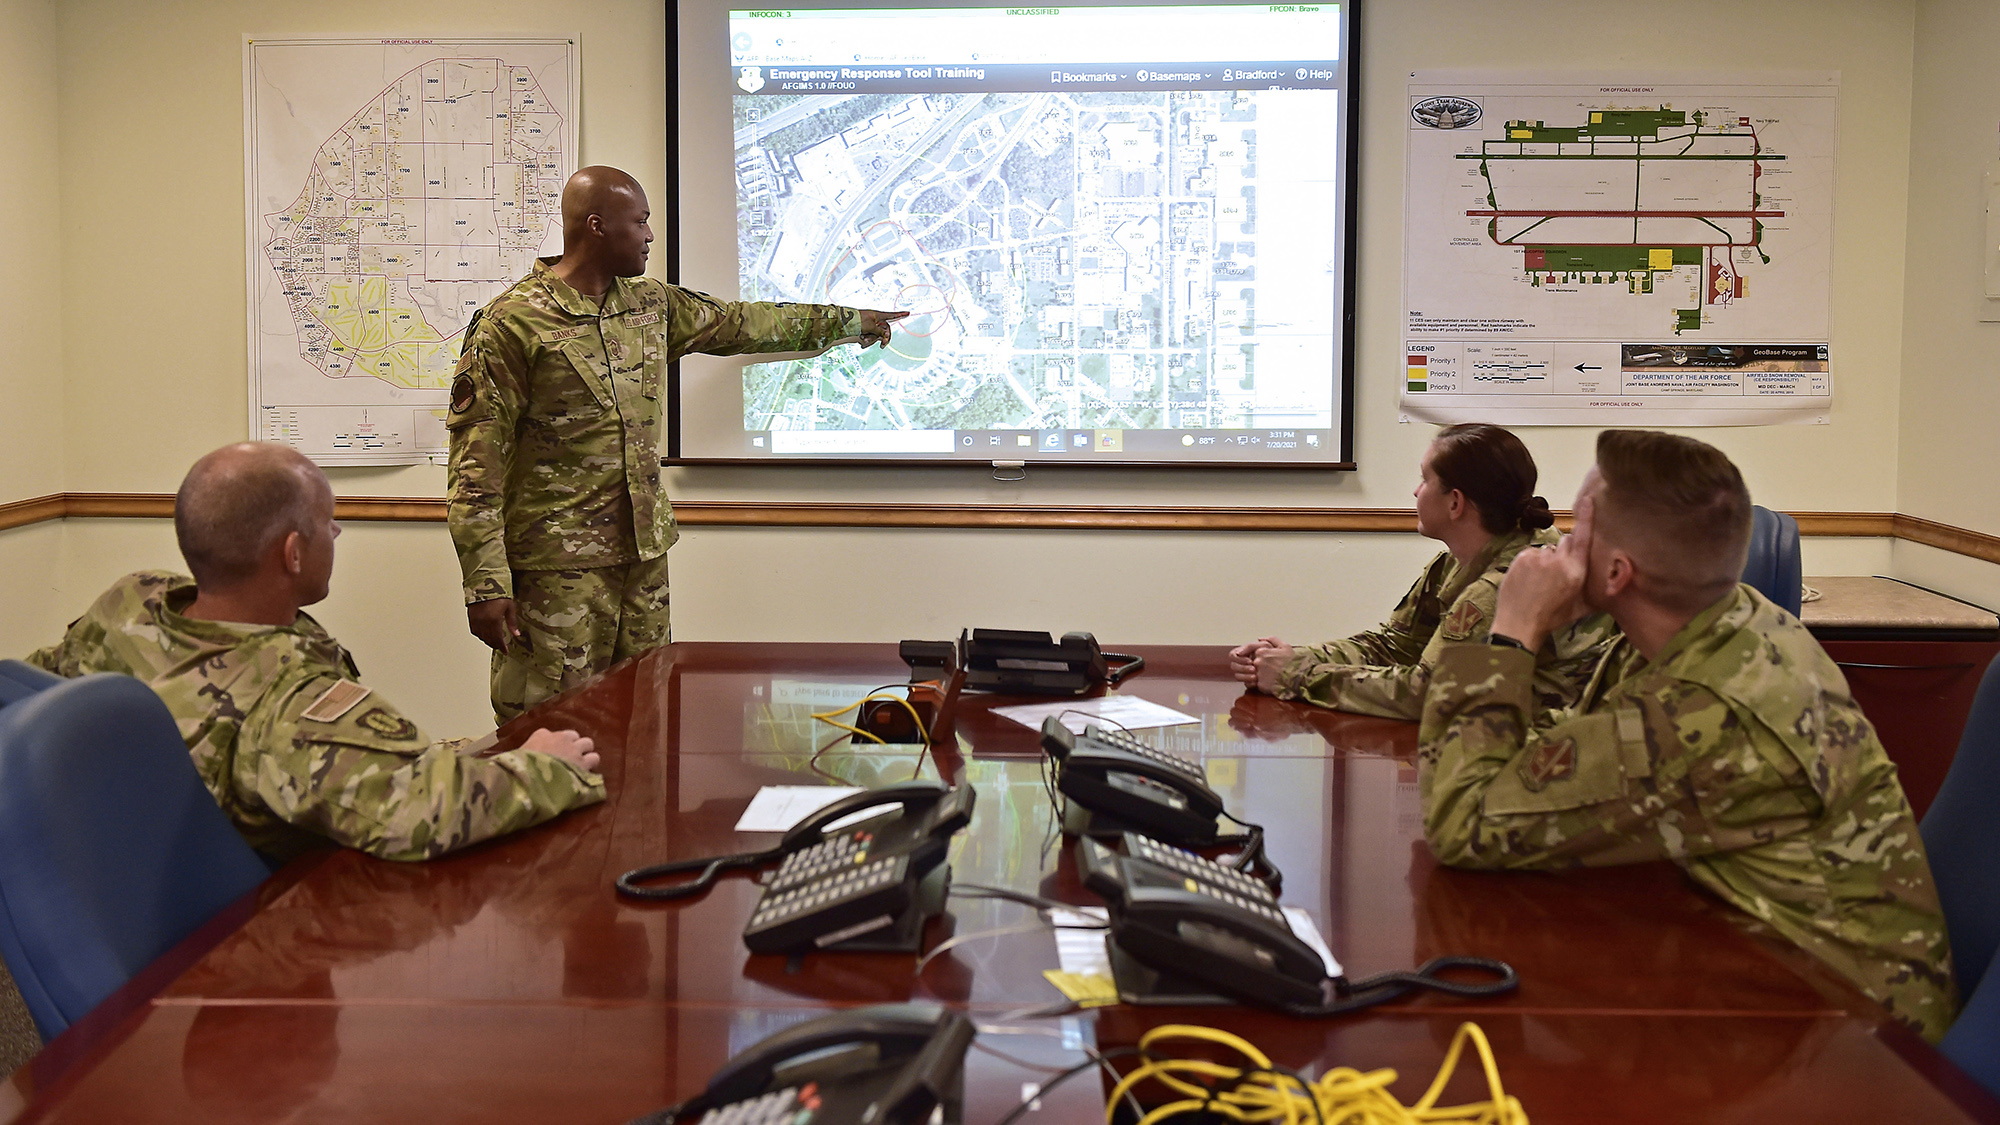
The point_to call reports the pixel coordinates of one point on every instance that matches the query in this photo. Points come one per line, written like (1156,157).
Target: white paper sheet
(1111,710)
(1080,950)
(1308,931)
(776,808)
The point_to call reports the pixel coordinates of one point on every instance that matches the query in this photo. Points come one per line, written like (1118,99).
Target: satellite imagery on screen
(1139,256)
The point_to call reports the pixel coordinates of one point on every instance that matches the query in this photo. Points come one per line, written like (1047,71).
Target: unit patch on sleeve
(387,723)
(1551,761)
(1465,618)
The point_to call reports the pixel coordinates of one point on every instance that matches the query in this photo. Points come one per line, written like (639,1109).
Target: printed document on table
(776,808)
(1110,710)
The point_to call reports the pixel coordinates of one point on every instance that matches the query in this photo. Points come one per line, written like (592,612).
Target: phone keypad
(835,855)
(1119,740)
(1253,906)
(1225,877)
(1206,877)
(853,881)
(793,1105)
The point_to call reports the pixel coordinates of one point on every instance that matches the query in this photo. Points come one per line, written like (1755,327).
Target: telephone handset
(838,884)
(891,1064)
(1125,784)
(1201,921)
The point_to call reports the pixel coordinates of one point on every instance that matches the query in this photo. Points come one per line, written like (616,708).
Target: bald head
(605,235)
(596,190)
(240,501)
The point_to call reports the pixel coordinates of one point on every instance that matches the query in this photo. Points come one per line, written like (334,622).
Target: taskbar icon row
(1019,445)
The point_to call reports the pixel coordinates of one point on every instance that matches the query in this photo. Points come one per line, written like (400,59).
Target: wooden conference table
(511,983)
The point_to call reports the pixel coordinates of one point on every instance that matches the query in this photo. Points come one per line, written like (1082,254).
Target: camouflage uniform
(555,460)
(1384,672)
(292,747)
(1738,753)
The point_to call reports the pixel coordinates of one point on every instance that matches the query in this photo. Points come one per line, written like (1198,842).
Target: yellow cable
(1342,1096)
(827,717)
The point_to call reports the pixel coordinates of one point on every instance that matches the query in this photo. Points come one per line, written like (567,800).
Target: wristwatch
(1505,641)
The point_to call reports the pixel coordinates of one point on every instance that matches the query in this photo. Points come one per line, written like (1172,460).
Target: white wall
(151,357)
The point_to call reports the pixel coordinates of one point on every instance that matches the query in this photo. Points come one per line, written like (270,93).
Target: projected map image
(1109,260)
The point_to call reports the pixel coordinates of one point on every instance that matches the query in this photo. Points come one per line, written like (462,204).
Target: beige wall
(126,416)
(1949,454)
(31,375)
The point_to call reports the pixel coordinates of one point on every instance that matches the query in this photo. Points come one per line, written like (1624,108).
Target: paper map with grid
(393,187)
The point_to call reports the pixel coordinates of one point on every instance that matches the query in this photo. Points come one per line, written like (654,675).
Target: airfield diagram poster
(1618,250)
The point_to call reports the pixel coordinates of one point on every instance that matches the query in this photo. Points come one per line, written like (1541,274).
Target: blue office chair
(111,848)
(1974,1040)
(20,680)
(1962,835)
(1773,566)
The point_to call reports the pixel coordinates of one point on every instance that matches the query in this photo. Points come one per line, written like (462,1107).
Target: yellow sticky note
(1087,990)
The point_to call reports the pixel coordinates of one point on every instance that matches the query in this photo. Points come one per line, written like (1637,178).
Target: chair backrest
(19,680)
(1774,566)
(1961,833)
(1974,1039)
(111,848)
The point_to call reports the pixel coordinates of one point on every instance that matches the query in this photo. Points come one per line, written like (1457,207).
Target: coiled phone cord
(1353,995)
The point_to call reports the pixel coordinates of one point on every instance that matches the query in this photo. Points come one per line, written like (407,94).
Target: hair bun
(1535,514)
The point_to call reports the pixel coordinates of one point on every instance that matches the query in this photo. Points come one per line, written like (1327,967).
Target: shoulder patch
(463,393)
(335,701)
(387,723)
(1465,617)
(1551,761)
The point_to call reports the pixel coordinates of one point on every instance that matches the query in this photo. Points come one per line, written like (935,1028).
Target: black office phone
(1023,662)
(1127,785)
(1202,921)
(837,885)
(891,1064)
(866,885)
(1189,921)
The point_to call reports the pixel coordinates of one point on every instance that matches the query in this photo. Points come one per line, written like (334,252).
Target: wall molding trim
(1077,517)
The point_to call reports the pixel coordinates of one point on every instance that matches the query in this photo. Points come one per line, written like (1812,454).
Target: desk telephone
(1119,783)
(866,885)
(1194,925)
(1017,661)
(891,1064)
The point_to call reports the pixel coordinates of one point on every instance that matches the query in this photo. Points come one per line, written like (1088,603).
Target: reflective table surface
(512,983)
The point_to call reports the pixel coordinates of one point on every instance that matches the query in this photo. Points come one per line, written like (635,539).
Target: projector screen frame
(670,218)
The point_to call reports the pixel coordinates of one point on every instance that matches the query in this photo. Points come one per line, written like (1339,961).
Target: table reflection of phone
(892,1064)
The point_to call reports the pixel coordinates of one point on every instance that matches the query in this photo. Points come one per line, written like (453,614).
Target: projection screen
(1123,233)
